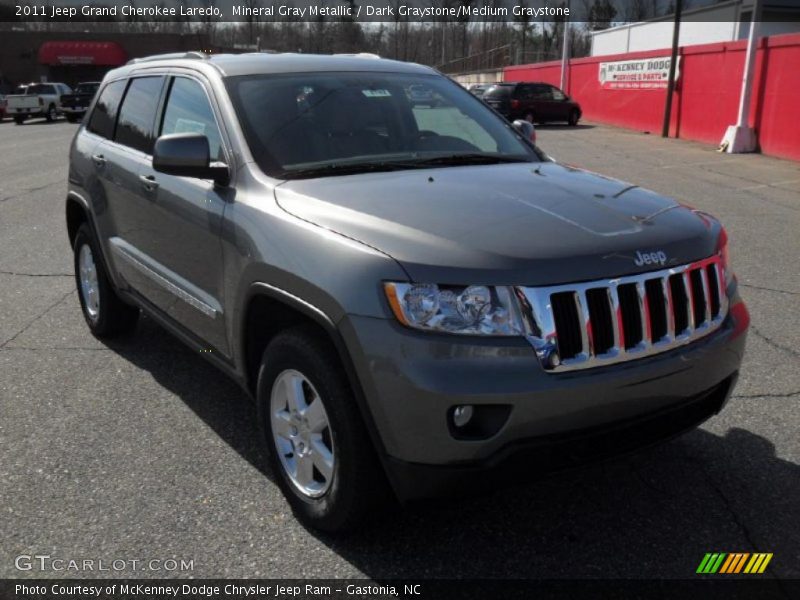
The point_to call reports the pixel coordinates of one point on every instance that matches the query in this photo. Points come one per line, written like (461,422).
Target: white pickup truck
(38,100)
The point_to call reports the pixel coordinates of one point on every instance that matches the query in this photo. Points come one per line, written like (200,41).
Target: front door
(185,218)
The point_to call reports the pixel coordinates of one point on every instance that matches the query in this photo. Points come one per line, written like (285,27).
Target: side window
(138,112)
(188,111)
(105,111)
(558,95)
(524,92)
(542,92)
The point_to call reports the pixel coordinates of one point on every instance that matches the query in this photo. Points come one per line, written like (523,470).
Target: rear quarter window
(499,91)
(105,111)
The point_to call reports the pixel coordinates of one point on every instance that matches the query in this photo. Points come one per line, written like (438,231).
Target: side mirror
(188,155)
(526,129)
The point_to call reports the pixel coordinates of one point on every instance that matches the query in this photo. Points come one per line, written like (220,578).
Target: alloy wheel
(90,290)
(302,433)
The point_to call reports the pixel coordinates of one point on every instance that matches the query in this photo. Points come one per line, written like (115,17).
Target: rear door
(185,218)
(94,148)
(542,101)
(128,217)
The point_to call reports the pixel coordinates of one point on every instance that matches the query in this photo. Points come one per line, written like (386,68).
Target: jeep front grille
(597,323)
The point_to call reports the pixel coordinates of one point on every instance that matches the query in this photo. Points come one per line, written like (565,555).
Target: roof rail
(170,56)
(358,54)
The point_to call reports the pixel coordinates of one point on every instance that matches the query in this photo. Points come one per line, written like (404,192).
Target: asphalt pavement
(140,450)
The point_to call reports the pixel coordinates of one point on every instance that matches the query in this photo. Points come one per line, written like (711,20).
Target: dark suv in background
(533,102)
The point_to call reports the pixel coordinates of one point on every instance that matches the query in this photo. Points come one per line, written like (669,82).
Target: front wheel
(574,117)
(19,120)
(104,312)
(51,114)
(318,445)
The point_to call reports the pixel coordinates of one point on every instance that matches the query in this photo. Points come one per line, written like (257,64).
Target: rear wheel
(318,445)
(19,120)
(104,312)
(51,114)
(72,118)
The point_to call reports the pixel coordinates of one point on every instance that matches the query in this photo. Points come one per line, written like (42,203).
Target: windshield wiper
(346,169)
(469,158)
(463,158)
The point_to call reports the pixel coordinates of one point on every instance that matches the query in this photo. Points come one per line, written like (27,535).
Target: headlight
(471,310)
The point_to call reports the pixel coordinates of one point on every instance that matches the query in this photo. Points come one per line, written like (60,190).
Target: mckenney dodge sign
(643,74)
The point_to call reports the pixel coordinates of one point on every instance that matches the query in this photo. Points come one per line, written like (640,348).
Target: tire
(51,114)
(19,120)
(356,485)
(574,117)
(72,118)
(106,315)
(529,117)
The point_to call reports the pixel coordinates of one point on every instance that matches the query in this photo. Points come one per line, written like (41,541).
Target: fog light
(462,415)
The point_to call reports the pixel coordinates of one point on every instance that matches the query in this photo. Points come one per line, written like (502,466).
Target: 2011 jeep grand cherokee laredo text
(412,294)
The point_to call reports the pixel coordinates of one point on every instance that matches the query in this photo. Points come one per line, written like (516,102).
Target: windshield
(312,124)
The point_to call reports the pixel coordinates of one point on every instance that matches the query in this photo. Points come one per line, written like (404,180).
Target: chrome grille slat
(616,318)
(668,308)
(583,311)
(706,296)
(543,333)
(644,314)
(687,287)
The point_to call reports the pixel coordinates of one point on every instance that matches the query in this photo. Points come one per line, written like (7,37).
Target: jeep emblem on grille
(650,258)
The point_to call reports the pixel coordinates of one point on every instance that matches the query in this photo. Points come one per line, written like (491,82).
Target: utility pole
(565,52)
(673,63)
(741,137)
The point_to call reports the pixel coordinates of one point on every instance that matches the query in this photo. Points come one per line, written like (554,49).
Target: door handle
(148,182)
(99,159)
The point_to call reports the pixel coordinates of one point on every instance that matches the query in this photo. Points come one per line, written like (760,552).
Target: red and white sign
(643,74)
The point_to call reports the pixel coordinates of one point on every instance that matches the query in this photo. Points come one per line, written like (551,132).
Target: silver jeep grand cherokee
(415,296)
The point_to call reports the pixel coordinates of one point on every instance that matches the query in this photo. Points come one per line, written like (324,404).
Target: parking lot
(141,450)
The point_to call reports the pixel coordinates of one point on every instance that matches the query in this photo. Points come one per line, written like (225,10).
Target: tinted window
(188,111)
(557,94)
(542,92)
(499,91)
(526,92)
(105,111)
(137,114)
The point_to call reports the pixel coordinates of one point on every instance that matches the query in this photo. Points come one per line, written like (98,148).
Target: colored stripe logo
(734,563)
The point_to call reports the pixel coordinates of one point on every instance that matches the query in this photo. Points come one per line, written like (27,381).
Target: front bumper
(413,380)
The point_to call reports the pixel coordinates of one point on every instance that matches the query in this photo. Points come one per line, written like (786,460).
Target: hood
(519,223)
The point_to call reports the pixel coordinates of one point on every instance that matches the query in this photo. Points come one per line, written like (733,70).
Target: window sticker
(376,93)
